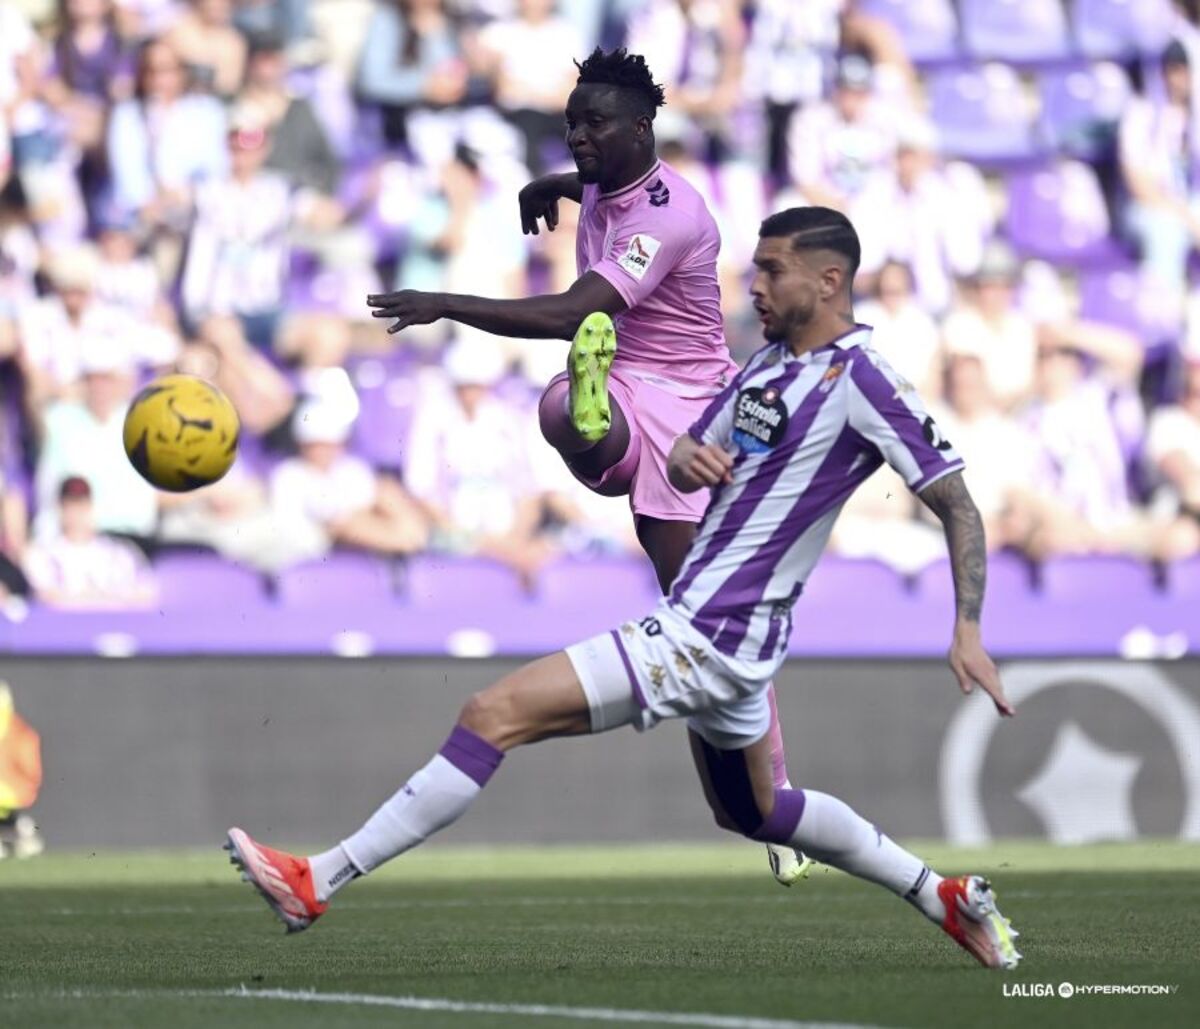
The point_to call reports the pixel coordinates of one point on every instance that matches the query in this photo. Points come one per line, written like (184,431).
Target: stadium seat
(1121,29)
(1015,30)
(1183,579)
(451,583)
(1096,579)
(844,580)
(1123,298)
(1009,578)
(927,28)
(1081,107)
(1058,214)
(385,416)
(337,580)
(983,114)
(194,582)
(576,582)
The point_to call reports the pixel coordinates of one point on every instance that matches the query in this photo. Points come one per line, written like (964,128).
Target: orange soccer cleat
(284,880)
(974,923)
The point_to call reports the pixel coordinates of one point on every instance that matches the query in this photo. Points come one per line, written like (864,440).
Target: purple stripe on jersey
(725,616)
(633,683)
(700,426)
(759,486)
(781,824)
(472,755)
(777,620)
(881,394)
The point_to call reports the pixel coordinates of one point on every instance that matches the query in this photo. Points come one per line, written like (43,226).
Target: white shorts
(661,668)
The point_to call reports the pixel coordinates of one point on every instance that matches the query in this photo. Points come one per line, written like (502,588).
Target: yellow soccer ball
(181,433)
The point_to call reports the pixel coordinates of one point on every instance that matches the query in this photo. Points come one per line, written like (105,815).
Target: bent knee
(487,713)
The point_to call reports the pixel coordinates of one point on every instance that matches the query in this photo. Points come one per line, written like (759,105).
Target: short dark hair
(816,228)
(627,72)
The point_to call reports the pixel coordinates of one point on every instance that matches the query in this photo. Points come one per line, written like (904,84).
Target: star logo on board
(1083,792)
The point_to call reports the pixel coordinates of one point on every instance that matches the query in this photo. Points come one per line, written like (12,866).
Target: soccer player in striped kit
(646,253)
(810,417)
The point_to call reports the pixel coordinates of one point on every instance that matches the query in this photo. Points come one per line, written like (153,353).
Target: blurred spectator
(78,568)
(13,537)
(1081,500)
(880,520)
(214,51)
(83,438)
(935,218)
(528,61)
(469,466)
(286,19)
(221,354)
(19,256)
(411,60)
(126,277)
(238,252)
(904,333)
(338,496)
(299,148)
(998,451)
(20,781)
(164,141)
(835,146)
(696,46)
(990,325)
(140,20)
(59,331)
(91,67)
(1160,162)
(1173,445)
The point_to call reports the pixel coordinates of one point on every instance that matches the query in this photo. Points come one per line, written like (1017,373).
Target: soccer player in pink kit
(647,258)
(811,417)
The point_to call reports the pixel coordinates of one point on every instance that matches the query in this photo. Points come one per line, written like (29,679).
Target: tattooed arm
(949,500)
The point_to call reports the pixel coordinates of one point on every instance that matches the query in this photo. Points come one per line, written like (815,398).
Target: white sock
(831,831)
(433,798)
(331,870)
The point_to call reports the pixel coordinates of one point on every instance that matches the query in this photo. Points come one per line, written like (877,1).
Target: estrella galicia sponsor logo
(933,434)
(759,420)
(660,196)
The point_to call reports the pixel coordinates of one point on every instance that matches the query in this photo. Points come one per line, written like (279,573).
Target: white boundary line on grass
(698,1020)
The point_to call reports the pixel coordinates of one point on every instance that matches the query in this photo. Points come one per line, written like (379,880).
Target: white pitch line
(698,1020)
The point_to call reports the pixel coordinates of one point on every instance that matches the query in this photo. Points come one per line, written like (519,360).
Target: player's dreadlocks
(626,71)
(816,228)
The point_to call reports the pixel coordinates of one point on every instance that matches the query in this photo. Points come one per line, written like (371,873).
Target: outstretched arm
(948,498)
(553,316)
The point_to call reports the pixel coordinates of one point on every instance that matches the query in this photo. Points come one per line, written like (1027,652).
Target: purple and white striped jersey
(804,432)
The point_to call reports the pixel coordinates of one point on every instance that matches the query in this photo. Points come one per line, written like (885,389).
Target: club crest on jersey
(831,376)
(639,254)
(759,420)
(660,196)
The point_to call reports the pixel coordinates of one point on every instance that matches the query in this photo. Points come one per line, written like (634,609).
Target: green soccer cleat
(591,357)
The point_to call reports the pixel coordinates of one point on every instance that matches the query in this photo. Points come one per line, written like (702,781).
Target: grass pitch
(570,937)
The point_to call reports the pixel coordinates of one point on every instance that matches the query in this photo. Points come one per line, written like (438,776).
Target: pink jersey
(657,243)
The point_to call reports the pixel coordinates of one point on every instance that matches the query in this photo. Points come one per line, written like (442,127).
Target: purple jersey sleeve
(886,411)
(644,250)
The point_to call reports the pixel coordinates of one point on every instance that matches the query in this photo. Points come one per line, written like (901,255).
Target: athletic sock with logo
(432,799)
(830,831)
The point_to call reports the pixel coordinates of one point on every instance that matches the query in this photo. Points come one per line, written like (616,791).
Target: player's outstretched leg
(788,865)
(738,786)
(542,699)
(588,364)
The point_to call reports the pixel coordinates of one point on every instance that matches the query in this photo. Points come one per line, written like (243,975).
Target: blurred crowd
(214,186)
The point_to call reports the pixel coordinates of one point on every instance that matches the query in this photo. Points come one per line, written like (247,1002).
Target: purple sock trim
(780,827)
(472,755)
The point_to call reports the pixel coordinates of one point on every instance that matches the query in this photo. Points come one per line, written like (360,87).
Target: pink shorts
(656,416)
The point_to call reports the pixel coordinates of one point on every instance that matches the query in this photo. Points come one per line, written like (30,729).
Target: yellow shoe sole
(591,357)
